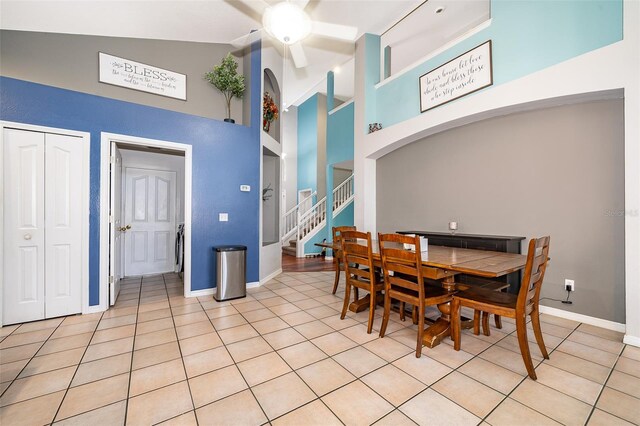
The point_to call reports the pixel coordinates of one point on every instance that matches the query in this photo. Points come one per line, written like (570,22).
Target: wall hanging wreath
(269,111)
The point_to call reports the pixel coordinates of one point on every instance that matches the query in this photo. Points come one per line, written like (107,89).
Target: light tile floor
(282,356)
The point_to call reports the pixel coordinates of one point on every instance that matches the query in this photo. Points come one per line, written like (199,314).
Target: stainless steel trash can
(231,267)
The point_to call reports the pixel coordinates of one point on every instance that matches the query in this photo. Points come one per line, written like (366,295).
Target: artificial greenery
(226,79)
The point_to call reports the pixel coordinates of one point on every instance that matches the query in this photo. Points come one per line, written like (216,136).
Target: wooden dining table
(443,264)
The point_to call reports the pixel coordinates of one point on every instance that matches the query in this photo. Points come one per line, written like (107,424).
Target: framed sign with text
(461,76)
(137,76)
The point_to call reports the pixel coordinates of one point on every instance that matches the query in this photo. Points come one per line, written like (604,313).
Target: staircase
(298,228)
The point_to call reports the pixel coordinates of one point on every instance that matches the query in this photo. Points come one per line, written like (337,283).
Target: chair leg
(476,322)
(337,280)
(414,314)
(521,328)
(347,294)
(537,331)
(498,320)
(485,324)
(385,314)
(420,329)
(372,310)
(402,318)
(455,323)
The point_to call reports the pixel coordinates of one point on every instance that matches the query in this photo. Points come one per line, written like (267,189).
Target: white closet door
(63,224)
(24,226)
(150,210)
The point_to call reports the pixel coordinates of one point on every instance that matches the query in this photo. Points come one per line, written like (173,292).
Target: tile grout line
(527,377)
(30,359)
(76,371)
(133,348)
(611,369)
(235,364)
(184,367)
(292,371)
(604,385)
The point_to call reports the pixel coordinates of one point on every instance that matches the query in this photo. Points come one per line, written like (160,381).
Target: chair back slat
(337,235)
(400,267)
(537,258)
(357,255)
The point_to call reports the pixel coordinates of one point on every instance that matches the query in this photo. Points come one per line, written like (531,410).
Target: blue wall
(308,144)
(526,35)
(340,135)
(340,141)
(224,156)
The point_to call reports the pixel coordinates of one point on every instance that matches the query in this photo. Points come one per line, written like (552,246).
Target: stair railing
(343,192)
(291,219)
(312,218)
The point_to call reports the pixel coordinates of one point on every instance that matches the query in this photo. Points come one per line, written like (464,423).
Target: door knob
(27,236)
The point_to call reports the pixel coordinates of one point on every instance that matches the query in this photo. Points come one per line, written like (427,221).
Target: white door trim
(86,137)
(105,152)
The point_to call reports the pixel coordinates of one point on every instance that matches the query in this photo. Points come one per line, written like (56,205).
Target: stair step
(293,243)
(289,250)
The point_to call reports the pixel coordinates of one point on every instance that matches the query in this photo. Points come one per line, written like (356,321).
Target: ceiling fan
(287,22)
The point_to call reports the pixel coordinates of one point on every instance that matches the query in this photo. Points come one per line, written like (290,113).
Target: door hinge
(111,279)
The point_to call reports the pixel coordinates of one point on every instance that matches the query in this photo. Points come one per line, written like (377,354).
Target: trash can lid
(230,248)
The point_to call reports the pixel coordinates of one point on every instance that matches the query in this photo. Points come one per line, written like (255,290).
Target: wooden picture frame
(134,75)
(465,74)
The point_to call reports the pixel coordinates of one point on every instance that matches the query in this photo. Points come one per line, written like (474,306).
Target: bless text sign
(138,76)
(465,74)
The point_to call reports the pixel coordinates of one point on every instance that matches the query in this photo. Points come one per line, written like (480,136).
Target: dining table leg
(441,328)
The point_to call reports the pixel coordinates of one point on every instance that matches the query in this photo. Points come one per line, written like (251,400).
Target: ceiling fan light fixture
(286,22)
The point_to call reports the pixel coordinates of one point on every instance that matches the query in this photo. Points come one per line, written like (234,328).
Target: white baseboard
(598,322)
(253,284)
(268,277)
(631,340)
(92,309)
(203,292)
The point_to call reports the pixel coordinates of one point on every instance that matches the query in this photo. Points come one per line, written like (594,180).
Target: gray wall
(271,207)
(71,62)
(558,171)
(322,146)
(340,175)
(290,148)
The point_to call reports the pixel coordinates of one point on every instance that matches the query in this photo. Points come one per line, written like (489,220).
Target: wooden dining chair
(357,257)
(403,280)
(337,253)
(510,305)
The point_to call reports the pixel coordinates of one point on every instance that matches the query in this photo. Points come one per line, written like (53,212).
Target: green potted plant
(226,79)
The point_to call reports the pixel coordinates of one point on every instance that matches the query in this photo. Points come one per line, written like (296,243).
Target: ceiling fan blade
(340,32)
(257,6)
(247,39)
(302,3)
(297,54)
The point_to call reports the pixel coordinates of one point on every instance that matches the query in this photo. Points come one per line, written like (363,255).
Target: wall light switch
(245,188)
(223,217)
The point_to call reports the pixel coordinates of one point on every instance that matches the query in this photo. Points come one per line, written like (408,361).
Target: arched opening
(271,87)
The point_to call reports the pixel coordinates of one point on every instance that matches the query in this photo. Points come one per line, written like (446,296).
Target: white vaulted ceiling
(213,21)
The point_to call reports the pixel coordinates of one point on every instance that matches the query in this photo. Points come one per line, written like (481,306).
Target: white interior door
(24,222)
(116,228)
(63,224)
(150,199)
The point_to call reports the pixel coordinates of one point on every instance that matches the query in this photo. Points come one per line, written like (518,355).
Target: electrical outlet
(569,285)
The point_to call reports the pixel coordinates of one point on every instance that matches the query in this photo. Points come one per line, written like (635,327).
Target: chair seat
(432,295)
(490,297)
